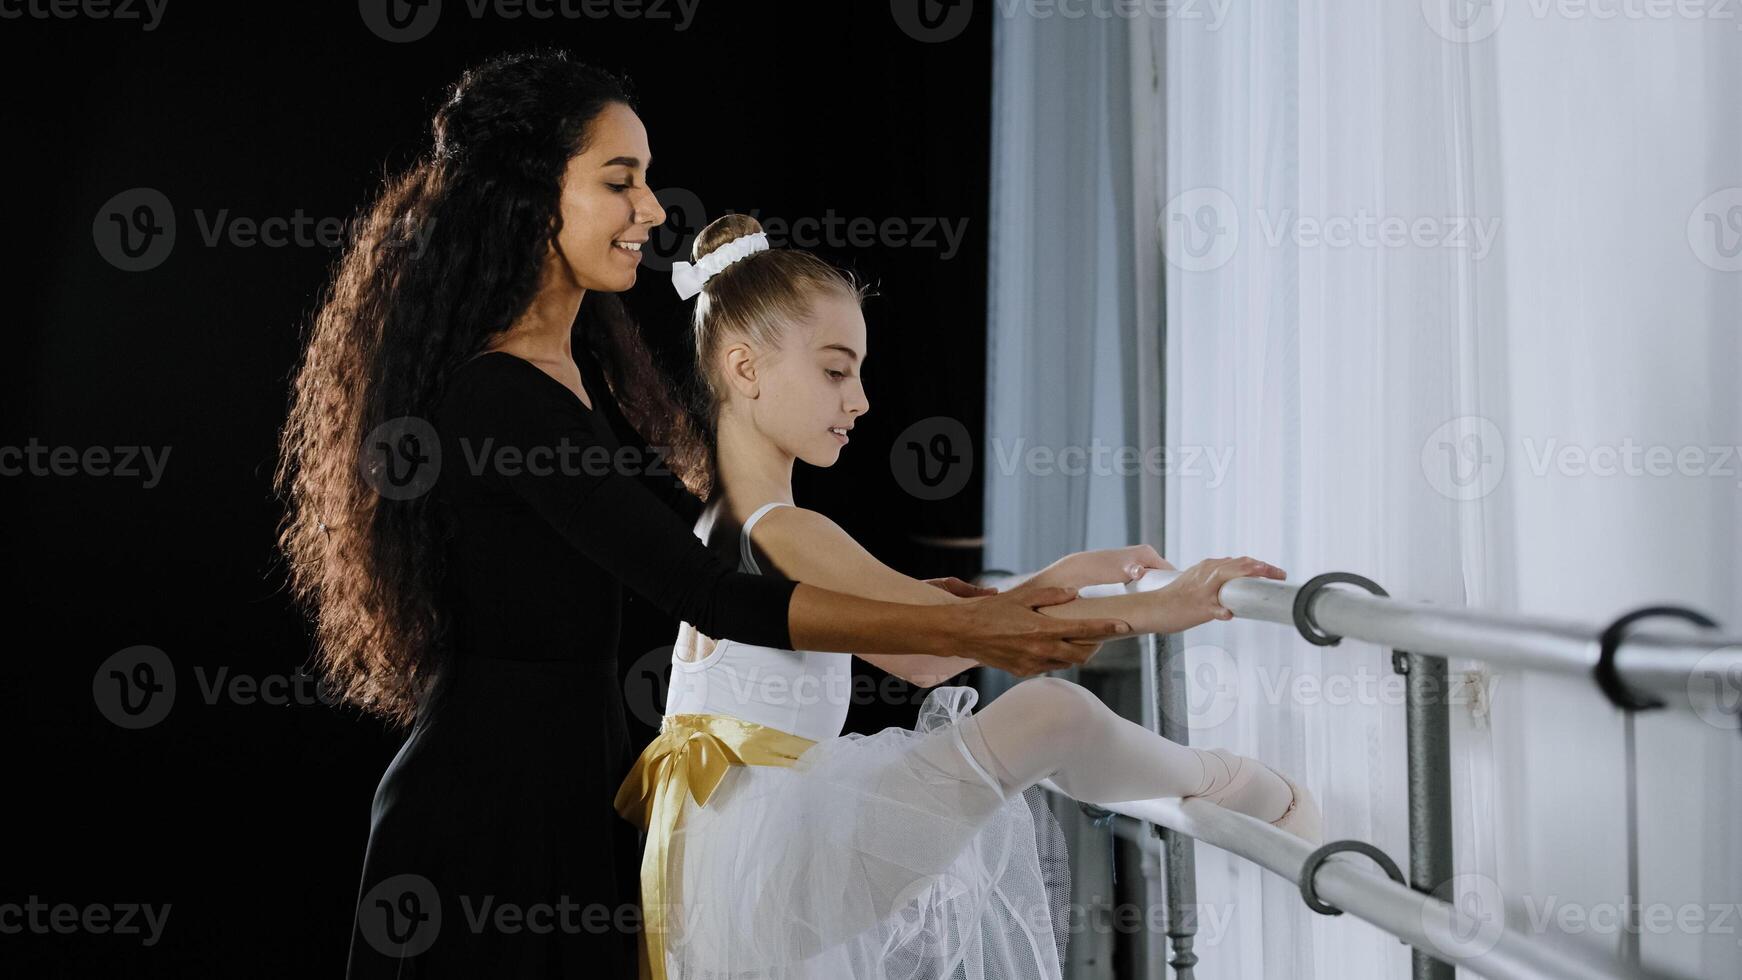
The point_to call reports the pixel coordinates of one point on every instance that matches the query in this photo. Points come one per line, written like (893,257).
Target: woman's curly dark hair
(395,321)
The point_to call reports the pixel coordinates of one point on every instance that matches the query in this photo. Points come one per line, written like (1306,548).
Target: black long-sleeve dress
(494,850)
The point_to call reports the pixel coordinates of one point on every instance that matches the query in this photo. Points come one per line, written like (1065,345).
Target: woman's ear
(740,370)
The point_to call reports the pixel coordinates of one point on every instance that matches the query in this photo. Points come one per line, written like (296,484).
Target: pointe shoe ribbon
(1234,777)
(1302,818)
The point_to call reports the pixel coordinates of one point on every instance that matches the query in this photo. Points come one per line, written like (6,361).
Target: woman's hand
(1006,631)
(1196,592)
(1108,566)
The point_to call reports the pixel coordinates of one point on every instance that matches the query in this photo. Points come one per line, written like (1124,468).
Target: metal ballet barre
(1634,668)
(1660,664)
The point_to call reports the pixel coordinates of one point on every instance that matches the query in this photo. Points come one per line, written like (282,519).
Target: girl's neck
(752,470)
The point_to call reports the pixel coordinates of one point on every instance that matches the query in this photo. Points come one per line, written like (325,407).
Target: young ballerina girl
(779,848)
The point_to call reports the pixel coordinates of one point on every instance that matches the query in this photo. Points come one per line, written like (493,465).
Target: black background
(249,819)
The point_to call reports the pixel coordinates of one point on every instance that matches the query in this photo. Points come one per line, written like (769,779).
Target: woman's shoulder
(494,383)
(489,368)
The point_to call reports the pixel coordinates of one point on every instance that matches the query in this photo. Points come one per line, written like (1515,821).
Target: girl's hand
(1108,566)
(1197,591)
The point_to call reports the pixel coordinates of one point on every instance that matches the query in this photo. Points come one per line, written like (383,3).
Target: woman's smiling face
(608,211)
(809,392)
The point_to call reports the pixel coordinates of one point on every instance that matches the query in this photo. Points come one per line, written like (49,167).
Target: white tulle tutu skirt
(884,857)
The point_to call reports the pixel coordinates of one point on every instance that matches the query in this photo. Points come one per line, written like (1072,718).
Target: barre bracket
(1311,866)
(1609,680)
(1303,600)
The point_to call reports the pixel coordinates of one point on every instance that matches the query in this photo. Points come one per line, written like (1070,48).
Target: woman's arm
(808,546)
(620,525)
(652,467)
(1008,630)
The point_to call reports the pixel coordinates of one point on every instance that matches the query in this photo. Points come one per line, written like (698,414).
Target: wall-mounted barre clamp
(1610,682)
(1310,867)
(1430,778)
(1631,701)
(1303,604)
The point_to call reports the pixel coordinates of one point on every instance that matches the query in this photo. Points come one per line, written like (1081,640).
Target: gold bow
(692,752)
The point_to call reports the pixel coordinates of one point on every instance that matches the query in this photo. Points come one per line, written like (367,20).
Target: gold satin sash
(691,754)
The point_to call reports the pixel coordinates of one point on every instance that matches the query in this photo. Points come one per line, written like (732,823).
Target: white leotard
(805,692)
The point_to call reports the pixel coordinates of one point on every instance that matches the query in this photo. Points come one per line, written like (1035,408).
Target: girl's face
(608,211)
(809,392)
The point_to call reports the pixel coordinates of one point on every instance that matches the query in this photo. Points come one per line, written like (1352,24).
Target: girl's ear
(740,370)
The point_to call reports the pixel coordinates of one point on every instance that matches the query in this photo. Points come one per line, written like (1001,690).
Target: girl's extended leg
(1047,728)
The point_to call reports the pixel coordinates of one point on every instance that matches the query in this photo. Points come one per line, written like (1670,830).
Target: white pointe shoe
(1302,818)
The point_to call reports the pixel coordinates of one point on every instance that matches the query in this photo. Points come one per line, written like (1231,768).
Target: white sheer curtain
(1431,269)
(1622,192)
(1074,360)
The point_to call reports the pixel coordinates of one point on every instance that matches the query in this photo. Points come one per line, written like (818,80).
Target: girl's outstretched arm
(807,546)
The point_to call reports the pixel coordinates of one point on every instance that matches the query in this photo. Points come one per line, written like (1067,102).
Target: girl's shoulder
(771,530)
(789,528)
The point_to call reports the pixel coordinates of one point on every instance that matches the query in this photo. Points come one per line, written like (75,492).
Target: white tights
(1049,728)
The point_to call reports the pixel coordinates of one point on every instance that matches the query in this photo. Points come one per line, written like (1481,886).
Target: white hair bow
(688,279)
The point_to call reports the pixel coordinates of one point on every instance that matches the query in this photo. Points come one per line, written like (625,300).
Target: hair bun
(523,105)
(722,231)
